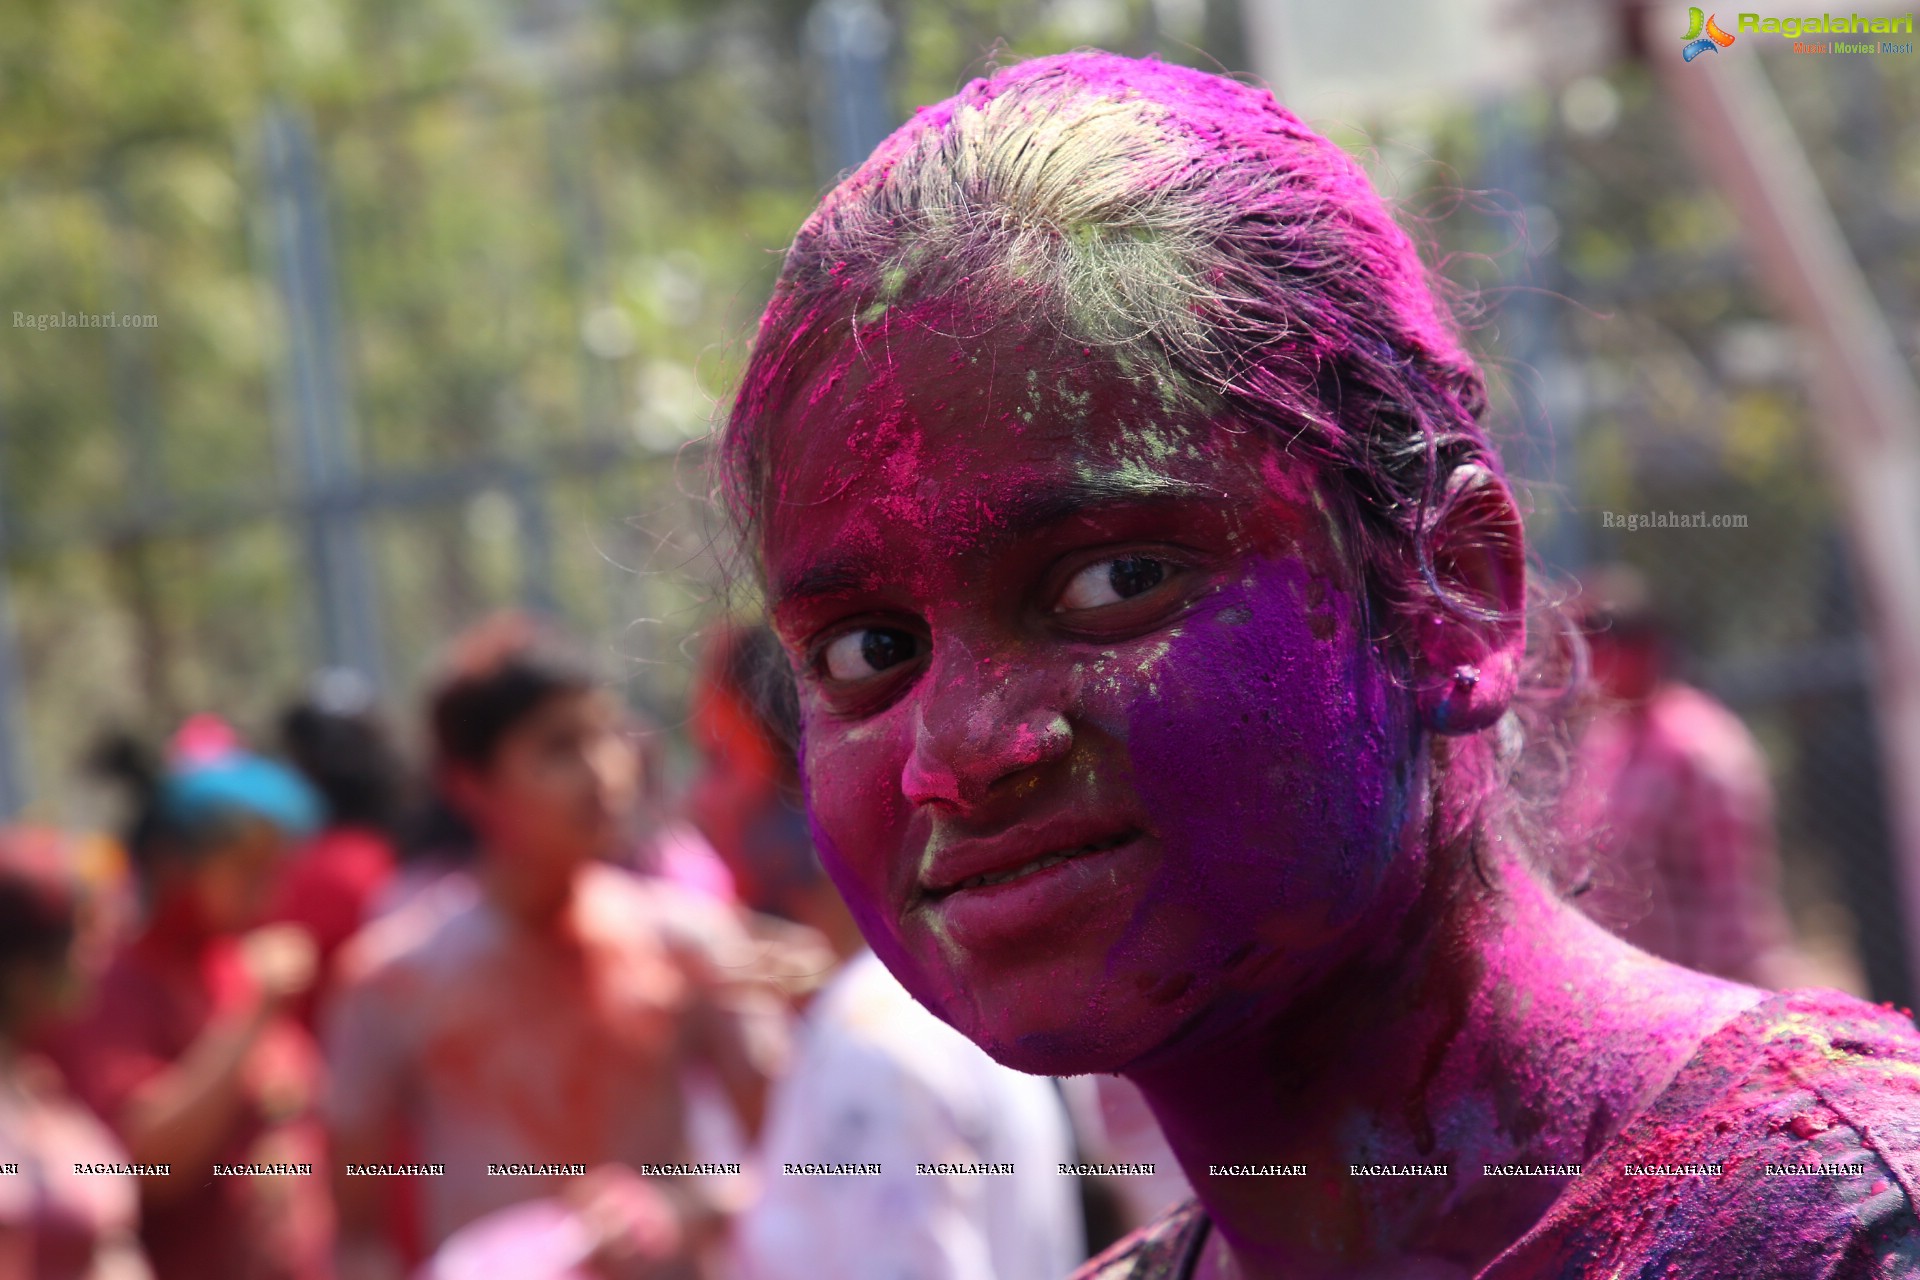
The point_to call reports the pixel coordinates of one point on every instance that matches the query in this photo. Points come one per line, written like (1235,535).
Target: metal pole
(13,768)
(533,521)
(1867,406)
(1529,328)
(319,439)
(1224,34)
(851,41)
(13,773)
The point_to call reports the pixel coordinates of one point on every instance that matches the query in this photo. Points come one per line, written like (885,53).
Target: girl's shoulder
(1792,1135)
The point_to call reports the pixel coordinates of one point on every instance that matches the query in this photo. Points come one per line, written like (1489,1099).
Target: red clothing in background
(1675,802)
(329,890)
(159,994)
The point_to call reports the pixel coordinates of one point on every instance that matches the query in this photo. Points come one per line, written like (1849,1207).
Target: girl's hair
(1191,229)
(39,898)
(1186,228)
(743,669)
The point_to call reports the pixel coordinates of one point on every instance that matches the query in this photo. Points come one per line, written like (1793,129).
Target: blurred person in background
(54,1224)
(109,900)
(433,842)
(671,845)
(187,1049)
(875,1077)
(540,1009)
(742,799)
(339,742)
(1670,792)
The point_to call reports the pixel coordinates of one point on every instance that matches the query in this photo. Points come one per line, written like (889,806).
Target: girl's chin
(1065,1036)
(1073,1050)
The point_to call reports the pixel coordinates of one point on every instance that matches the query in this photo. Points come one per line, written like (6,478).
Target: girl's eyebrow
(1035,509)
(1022,515)
(830,576)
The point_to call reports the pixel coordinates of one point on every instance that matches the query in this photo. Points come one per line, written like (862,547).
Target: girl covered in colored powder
(1157,604)
(188,1049)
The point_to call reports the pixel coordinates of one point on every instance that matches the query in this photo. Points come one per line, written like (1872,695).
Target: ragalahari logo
(1703,35)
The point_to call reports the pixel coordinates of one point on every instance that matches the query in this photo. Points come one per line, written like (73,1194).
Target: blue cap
(236,785)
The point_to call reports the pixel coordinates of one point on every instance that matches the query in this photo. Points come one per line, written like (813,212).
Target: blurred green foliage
(552,224)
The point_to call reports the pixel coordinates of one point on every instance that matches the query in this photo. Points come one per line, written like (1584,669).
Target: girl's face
(232,883)
(1094,743)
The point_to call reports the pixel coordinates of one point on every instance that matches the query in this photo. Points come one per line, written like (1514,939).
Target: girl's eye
(867,651)
(1111,581)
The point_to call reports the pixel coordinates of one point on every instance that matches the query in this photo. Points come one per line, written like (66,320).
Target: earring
(1451,706)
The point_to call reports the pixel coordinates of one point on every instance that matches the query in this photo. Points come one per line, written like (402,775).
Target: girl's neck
(1506,1029)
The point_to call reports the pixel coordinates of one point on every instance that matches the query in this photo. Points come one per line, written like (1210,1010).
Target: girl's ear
(1468,648)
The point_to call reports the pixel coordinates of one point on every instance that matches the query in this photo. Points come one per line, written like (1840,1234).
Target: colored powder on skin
(1233,272)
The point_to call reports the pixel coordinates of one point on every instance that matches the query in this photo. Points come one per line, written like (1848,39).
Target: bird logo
(1703,35)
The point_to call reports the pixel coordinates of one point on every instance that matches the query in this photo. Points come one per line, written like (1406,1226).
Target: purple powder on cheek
(1272,756)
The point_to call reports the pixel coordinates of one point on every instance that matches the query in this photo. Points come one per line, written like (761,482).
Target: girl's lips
(958,858)
(1041,863)
(1046,900)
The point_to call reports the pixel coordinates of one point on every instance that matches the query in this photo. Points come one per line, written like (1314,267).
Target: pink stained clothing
(1674,800)
(680,855)
(56,1224)
(490,1044)
(1808,1104)
(157,998)
(330,889)
(1168,1248)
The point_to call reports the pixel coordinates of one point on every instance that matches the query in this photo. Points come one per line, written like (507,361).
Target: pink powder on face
(1263,681)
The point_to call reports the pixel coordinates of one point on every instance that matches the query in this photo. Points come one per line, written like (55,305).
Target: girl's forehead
(917,406)
(933,450)
(947,483)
